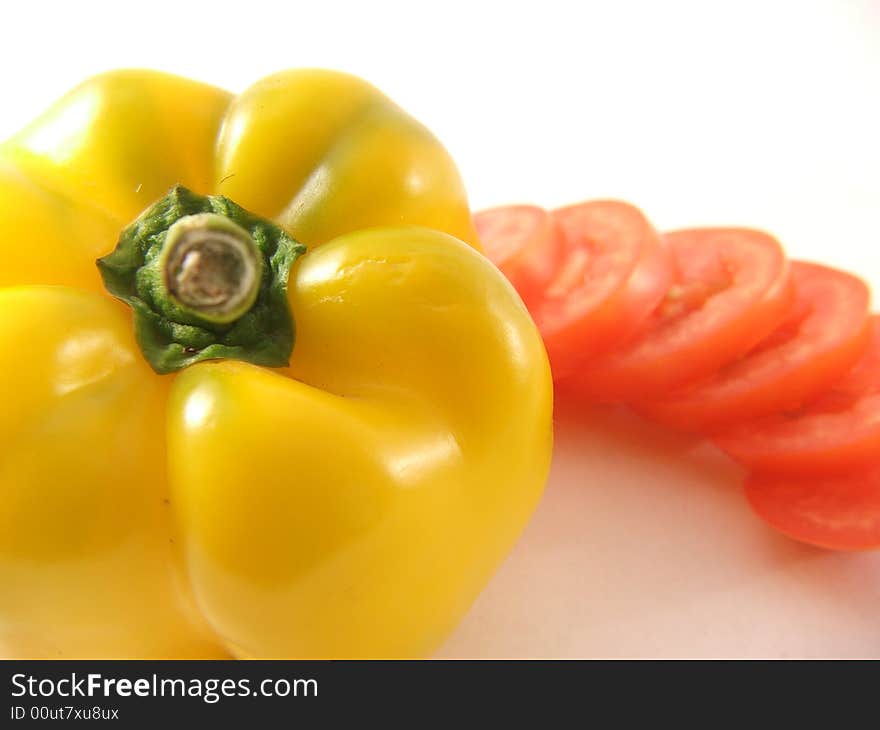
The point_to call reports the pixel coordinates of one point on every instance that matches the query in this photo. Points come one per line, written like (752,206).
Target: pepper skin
(350,504)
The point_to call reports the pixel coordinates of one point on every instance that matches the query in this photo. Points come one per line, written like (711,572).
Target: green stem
(211,267)
(206,279)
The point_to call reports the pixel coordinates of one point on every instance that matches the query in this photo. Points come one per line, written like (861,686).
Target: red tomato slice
(524,242)
(840,430)
(732,289)
(614,271)
(837,512)
(823,336)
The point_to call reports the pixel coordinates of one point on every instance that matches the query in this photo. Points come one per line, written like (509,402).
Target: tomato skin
(614,271)
(732,290)
(824,335)
(838,431)
(837,512)
(524,242)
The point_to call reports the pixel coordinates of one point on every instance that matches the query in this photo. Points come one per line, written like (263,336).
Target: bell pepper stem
(206,280)
(211,267)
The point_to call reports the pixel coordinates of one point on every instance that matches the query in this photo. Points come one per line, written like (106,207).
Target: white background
(764,114)
(757,112)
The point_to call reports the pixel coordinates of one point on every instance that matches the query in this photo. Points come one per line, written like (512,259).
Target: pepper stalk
(206,280)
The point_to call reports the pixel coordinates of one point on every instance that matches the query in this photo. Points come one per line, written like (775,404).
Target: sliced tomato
(839,512)
(823,336)
(732,289)
(524,242)
(837,431)
(614,271)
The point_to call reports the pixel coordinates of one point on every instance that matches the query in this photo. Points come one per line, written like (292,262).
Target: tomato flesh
(524,242)
(838,430)
(732,289)
(614,271)
(712,330)
(823,336)
(840,512)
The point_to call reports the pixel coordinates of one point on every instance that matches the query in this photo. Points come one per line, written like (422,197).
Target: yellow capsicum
(194,485)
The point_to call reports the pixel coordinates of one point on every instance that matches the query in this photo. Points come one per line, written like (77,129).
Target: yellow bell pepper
(188,486)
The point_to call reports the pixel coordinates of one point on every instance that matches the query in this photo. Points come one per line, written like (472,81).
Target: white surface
(755,113)
(644,546)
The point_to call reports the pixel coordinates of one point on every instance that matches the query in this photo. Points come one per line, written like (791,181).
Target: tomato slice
(614,271)
(823,336)
(839,512)
(732,289)
(524,242)
(837,431)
